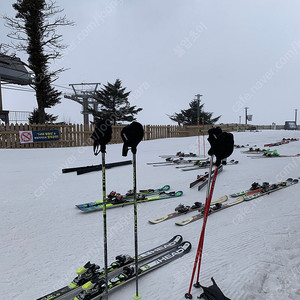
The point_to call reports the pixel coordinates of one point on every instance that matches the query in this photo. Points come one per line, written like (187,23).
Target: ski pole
(222,145)
(132,135)
(188,295)
(102,136)
(104,223)
(207,207)
(136,296)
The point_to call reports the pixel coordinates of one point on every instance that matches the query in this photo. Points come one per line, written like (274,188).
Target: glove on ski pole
(221,143)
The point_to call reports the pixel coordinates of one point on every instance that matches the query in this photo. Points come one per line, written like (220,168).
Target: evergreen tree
(114,104)
(190,116)
(34,27)
(34,117)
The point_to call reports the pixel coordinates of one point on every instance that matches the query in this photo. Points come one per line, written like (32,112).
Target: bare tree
(33,30)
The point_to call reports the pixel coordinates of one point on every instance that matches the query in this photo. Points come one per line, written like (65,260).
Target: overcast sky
(235,53)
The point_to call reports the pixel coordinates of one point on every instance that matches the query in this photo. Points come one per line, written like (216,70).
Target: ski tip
(238,199)
(186,246)
(176,238)
(184,222)
(179,193)
(166,187)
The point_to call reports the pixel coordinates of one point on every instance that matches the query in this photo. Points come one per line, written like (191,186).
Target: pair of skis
(282,142)
(272,156)
(91,274)
(272,188)
(188,210)
(179,154)
(202,180)
(128,195)
(179,161)
(253,151)
(246,195)
(141,198)
(267,153)
(206,165)
(94,289)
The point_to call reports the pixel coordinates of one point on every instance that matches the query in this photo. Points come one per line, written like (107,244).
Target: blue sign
(45,135)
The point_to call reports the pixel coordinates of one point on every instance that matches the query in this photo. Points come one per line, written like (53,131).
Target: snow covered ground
(251,249)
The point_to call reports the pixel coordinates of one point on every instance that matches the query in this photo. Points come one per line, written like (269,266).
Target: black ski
(199,179)
(204,182)
(202,178)
(95,288)
(89,270)
(96,167)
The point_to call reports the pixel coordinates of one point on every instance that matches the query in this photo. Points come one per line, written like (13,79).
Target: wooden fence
(76,135)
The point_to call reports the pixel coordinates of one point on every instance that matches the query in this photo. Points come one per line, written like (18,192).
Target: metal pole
(203,137)
(1,107)
(246,115)
(85,110)
(198,120)
(296,110)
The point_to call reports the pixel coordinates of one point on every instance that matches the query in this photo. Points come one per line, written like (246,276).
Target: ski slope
(251,249)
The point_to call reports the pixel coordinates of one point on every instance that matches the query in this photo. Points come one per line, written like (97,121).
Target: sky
(235,53)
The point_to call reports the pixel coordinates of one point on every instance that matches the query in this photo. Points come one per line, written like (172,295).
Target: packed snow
(251,249)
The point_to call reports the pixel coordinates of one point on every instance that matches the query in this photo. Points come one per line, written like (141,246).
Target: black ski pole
(135,215)
(102,136)
(132,135)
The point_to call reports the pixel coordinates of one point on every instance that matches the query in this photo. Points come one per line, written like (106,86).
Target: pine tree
(34,27)
(190,116)
(114,104)
(34,117)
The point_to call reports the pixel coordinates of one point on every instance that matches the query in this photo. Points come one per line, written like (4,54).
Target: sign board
(38,136)
(249,117)
(290,125)
(25,137)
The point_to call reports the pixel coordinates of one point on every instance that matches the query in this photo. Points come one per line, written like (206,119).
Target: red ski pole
(197,284)
(200,244)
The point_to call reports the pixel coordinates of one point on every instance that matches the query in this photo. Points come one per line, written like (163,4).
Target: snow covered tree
(34,27)
(190,116)
(114,104)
